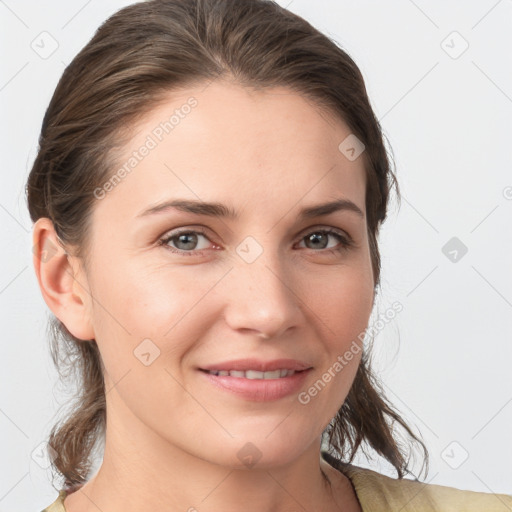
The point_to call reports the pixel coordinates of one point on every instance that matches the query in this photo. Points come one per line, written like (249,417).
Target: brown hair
(133,61)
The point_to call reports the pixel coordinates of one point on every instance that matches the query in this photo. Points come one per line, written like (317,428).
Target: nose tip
(259,302)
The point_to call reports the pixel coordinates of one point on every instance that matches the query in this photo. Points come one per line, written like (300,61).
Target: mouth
(258,385)
(254,374)
(256,368)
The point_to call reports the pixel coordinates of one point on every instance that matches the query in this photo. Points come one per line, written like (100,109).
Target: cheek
(141,314)
(344,304)
(344,308)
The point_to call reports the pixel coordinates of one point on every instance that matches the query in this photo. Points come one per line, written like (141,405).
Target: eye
(186,240)
(319,239)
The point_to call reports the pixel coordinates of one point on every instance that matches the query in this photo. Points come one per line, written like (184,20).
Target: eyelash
(346,241)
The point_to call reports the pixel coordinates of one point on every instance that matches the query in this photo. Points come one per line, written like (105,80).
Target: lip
(259,390)
(259,365)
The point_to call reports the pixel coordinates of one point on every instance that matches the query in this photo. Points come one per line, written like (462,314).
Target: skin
(172,438)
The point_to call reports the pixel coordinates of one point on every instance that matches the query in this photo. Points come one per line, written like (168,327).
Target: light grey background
(446,358)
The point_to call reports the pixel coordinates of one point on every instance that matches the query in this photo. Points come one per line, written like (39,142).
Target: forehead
(240,146)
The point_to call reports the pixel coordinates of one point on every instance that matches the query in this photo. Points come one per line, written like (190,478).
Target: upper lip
(258,365)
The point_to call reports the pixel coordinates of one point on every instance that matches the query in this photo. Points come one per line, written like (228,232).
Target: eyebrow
(221,210)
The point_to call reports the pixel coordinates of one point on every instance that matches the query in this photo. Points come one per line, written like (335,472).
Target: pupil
(314,238)
(183,238)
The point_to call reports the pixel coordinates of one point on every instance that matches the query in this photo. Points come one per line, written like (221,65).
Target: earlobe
(62,282)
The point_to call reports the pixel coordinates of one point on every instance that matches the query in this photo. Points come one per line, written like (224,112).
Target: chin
(258,451)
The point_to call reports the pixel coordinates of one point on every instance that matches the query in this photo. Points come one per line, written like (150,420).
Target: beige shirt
(380,493)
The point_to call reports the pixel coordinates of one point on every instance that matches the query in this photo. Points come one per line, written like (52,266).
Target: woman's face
(165,307)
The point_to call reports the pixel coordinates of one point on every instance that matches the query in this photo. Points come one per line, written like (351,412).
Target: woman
(207,198)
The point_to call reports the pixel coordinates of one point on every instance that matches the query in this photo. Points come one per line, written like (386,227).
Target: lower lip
(259,390)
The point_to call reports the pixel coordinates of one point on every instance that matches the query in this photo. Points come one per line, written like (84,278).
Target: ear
(62,281)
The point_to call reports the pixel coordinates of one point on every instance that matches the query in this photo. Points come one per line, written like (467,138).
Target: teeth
(253,374)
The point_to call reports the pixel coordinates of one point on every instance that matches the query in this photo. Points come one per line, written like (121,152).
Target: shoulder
(374,489)
(377,492)
(58,504)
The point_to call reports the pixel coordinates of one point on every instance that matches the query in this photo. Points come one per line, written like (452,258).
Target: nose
(262,299)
